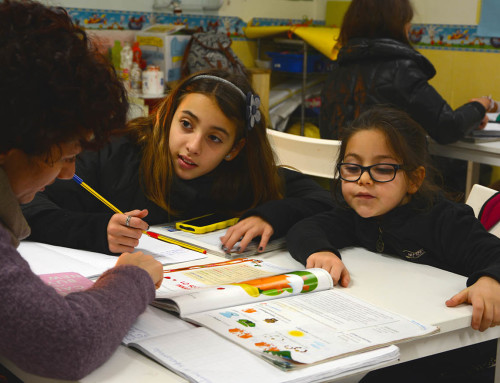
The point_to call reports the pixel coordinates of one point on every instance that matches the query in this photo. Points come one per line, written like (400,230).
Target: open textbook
(291,319)
(211,241)
(200,355)
(45,259)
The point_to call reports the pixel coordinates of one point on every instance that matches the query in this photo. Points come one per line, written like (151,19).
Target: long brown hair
(376,19)
(253,171)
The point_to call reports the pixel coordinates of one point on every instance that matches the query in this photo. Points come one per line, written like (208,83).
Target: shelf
(300,46)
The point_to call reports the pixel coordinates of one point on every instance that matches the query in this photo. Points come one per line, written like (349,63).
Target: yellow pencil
(151,234)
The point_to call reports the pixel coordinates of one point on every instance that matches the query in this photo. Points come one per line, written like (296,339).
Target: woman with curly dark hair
(57,95)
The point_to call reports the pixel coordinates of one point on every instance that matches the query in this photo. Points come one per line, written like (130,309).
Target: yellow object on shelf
(310,130)
(322,39)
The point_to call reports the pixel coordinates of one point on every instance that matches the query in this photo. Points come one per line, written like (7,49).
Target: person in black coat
(377,65)
(205,150)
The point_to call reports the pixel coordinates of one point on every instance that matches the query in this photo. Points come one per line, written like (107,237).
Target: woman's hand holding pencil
(124,230)
(129,219)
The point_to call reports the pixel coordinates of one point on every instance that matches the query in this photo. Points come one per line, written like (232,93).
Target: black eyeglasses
(378,172)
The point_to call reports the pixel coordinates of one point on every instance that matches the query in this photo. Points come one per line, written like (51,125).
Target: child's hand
(484,295)
(246,230)
(123,238)
(331,263)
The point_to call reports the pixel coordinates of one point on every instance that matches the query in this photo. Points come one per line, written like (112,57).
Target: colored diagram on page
(295,330)
(246,291)
(178,281)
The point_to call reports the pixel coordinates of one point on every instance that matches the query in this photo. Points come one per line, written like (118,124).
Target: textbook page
(211,241)
(255,290)
(182,280)
(200,355)
(46,259)
(310,328)
(167,253)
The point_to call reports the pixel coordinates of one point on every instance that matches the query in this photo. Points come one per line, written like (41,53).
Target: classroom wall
(463,75)
(245,9)
(426,11)
(445,11)
(460,75)
(283,9)
(121,5)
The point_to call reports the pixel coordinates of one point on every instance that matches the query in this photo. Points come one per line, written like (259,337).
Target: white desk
(475,153)
(416,291)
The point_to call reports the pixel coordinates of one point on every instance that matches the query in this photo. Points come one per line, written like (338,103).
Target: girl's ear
(416,179)
(235,150)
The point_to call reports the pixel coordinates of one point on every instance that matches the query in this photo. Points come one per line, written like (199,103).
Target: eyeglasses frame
(368,169)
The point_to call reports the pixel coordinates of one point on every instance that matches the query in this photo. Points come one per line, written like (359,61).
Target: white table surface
(474,153)
(484,152)
(416,291)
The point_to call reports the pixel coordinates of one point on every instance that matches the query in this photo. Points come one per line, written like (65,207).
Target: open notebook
(46,259)
(200,355)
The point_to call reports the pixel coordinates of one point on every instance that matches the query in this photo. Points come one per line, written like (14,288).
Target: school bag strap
(184,62)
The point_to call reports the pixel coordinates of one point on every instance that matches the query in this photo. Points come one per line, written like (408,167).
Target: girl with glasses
(390,205)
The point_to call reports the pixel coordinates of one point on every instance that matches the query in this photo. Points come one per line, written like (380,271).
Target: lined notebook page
(202,356)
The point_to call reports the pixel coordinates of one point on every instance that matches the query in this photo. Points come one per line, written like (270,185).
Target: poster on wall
(489,23)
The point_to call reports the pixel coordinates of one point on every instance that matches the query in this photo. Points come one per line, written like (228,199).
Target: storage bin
(293,62)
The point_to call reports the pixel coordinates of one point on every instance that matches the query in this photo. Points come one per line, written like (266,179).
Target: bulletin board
(489,22)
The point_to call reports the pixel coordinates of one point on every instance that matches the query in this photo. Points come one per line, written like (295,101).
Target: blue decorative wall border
(267,22)
(425,36)
(127,20)
(452,37)
(110,19)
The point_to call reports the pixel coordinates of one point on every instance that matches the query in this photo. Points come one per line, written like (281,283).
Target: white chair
(477,197)
(313,156)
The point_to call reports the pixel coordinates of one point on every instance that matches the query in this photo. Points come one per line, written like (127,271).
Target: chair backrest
(477,197)
(312,156)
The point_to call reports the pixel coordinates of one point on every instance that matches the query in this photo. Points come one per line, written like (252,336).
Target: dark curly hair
(54,86)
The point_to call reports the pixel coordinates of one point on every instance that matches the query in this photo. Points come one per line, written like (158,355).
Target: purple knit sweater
(65,337)
(60,337)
